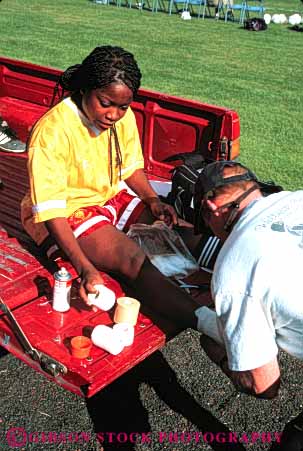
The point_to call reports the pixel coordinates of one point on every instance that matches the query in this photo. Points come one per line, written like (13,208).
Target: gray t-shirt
(258,282)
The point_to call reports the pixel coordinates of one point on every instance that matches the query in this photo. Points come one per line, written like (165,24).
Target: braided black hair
(103,66)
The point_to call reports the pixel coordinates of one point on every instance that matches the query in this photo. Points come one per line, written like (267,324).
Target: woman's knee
(110,250)
(130,265)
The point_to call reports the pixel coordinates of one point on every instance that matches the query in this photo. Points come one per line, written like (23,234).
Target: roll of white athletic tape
(104,337)
(126,333)
(127,310)
(104,299)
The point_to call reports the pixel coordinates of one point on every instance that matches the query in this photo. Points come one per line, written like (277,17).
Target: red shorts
(121,211)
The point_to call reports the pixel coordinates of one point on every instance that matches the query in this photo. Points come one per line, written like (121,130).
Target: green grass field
(258,74)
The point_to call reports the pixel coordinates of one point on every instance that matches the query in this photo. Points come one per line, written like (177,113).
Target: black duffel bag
(255,24)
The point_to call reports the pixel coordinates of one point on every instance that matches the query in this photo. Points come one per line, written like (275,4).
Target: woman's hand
(89,278)
(139,183)
(62,233)
(162,211)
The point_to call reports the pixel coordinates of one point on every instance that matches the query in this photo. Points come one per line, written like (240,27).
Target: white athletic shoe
(8,139)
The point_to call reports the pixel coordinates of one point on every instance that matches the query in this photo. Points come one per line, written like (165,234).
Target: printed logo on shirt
(295,227)
(285,221)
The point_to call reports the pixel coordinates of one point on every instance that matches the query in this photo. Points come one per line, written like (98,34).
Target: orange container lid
(80,346)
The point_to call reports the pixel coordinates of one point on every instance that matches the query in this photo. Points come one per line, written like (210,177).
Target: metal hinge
(47,363)
(220,146)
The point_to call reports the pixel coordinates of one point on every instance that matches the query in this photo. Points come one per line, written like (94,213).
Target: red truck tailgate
(22,279)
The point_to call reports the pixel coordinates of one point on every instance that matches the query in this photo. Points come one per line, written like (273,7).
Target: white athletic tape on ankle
(207,324)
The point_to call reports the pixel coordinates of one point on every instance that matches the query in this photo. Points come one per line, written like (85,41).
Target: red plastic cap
(81,346)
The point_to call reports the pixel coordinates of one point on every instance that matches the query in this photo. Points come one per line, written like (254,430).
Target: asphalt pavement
(176,400)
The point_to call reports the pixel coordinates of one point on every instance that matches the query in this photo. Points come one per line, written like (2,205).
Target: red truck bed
(167,126)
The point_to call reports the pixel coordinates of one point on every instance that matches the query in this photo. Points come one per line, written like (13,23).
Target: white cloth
(257,283)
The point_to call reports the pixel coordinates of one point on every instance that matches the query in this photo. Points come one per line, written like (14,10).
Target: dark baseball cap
(212,177)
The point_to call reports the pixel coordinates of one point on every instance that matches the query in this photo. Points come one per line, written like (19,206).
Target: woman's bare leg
(111,250)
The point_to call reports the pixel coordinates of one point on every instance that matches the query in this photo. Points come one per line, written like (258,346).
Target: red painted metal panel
(51,332)
(20,114)
(13,173)
(22,279)
(21,275)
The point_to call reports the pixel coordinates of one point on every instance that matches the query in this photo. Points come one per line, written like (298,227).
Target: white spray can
(62,288)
